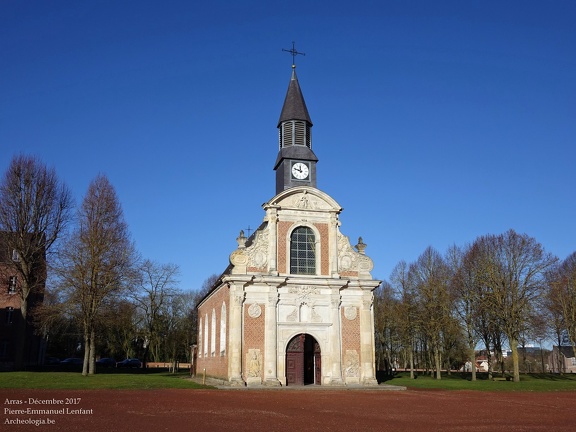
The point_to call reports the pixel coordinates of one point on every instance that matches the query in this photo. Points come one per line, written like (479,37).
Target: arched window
(223,330)
(206,336)
(302,251)
(213,334)
(200,330)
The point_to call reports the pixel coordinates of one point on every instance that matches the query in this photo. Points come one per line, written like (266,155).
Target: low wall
(167,365)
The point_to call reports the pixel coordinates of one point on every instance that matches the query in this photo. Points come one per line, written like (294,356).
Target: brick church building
(295,304)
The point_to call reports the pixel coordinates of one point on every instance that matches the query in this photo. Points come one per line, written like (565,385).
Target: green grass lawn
(75,380)
(458,381)
(161,379)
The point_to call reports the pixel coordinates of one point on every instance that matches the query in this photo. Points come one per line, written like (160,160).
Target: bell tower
(296,162)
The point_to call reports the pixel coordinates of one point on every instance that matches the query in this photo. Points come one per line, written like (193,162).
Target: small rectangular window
(9,313)
(4,348)
(12,285)
(15,255)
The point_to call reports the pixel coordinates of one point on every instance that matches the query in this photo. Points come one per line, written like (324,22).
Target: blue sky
(434,122)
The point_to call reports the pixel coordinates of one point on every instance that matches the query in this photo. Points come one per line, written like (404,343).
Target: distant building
(10,309)
(562,359)
(295,305)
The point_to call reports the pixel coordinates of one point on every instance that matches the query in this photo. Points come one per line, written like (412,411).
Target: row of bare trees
(99,286)
(501,289)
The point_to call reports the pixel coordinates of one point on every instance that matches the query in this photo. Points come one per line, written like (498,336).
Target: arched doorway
(303,361)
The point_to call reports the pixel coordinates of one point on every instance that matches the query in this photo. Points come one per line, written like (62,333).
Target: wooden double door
(303,361)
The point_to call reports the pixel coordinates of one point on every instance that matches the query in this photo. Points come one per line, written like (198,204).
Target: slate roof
(567,351)
(294,106)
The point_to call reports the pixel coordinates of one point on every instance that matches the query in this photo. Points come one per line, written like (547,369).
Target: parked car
(106,362)
(51,361)
(129,363)
(72,361)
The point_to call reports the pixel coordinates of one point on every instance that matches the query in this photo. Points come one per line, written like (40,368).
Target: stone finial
(241,239)
(361,246)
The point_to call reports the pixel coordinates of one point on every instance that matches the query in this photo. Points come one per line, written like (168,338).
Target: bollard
(204,377)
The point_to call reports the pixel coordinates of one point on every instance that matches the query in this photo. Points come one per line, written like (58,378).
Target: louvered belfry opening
(295,132)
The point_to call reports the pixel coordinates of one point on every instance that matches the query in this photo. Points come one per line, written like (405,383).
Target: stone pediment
(304,198)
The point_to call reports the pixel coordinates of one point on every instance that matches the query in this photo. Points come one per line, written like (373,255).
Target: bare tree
(562,296)
(408,323)
(386,323)
(431,278)
(515,264)
(152,293)
(98,259)
(464,285)
(35,208)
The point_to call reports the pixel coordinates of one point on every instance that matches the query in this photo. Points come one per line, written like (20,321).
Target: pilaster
(368,376)
(270,340)
(235,336)
(336,340)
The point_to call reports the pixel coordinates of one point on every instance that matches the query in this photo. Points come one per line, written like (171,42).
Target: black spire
(294,106)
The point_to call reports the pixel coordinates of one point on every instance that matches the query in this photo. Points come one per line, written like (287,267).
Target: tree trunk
(514,347)
(91,357)
(472,354)
(21,336)
(86,352)
(438,363)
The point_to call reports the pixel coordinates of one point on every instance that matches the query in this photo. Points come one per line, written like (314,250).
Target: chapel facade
(295,304)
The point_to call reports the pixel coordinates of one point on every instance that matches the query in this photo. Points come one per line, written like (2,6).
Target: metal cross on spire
(294,53)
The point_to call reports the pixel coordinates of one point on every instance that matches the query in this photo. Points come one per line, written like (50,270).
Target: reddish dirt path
(298,410)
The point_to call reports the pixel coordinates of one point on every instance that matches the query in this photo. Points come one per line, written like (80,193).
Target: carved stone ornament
(351,363)
(350,312)
(254,310)
(253,363)
(306,201)
(258,252)
(238,299)
(349,259)
(316,317)
(303,293)
(238,257)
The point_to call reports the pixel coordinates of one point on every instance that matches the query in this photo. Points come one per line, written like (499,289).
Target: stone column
(271,340)
(368,376)
(273,239)
(333,244)
(335,358)
(235,335)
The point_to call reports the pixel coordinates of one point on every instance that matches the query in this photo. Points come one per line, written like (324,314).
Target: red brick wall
(217,365)
(283,228)
(350,333)
(324,249)
(253,336)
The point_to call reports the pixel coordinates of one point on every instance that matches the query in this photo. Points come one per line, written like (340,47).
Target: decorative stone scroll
(351,260)
(257,252)
(293,316)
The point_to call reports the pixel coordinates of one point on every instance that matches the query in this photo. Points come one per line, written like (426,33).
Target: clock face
(300,171)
